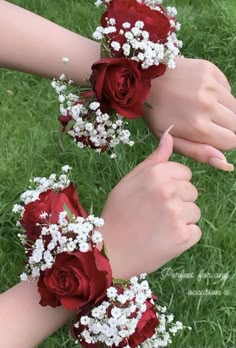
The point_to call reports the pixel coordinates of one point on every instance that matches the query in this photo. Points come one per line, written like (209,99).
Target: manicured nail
(221,164)
(164,135)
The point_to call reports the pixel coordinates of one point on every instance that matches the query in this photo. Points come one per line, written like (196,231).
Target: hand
(150,216)
(196,98)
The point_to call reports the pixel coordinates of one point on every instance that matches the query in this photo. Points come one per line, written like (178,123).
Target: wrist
(63,254)
(36,323)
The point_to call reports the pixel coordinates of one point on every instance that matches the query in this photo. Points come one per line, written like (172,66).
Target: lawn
(29,146)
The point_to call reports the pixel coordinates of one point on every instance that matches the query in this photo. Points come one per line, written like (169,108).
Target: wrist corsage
(65,253)
(138,42)
(62,245)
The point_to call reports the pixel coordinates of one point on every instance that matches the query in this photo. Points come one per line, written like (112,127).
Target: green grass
(29,146)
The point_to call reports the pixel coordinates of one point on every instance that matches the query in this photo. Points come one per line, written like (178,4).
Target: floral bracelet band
(66,255)
(133,53)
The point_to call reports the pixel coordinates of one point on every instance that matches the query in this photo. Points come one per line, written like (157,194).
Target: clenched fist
(150,216)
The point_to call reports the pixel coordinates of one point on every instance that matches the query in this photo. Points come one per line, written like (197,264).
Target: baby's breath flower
(97,237)
(65,60)
(115,45)
(98,3)
(126,25)
(24,277)
(17,208)
(66,168)
(66,234)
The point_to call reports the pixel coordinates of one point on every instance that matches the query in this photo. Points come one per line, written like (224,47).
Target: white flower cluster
(39,185)
(116,319)
(68,235)
(164,331)
(150,3)
(101,2)
(91,127)
(138,45)
(153,4)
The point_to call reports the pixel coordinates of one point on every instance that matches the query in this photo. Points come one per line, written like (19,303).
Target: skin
(169,228)
(35,40)
(202,107)
(157,201)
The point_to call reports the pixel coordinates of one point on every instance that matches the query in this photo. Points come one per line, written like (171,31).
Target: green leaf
(69,213)
(148,105)
(120,281)
(104,251)
(91,209)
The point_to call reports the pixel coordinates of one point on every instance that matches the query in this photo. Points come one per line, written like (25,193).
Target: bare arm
(19,308)
(24,323)
(33,44)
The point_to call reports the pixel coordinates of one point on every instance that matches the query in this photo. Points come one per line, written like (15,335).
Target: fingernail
(164,135)
(221,164)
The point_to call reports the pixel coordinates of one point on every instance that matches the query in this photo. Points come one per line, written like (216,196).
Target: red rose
(65,120)
(52,203)
(146,326)
(75,280)
(155,22)
(120,84)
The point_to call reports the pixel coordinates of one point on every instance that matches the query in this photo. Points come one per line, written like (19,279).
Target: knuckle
(182,236)
(207,83)
(181,169)
(158,184)
(167,191)
(207,67)
(205,94)
(198,233)
(198,213)
(198,126)
(175,211)
(152,174)
(187,172)
(194,192)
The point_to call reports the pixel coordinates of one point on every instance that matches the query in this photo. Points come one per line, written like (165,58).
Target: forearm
(35,45)
(23,322)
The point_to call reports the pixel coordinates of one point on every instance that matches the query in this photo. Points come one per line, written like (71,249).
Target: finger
(191,213)
(225,118)
(161,154)
(188,236)
(221,137)
(195,234)
(222,79)
(202,153)
(163,151)
(226,98)
(176,171)
(186,191)
(216,136)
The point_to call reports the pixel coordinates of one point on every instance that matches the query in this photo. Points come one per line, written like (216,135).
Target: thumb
(161,154)
(163,151)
